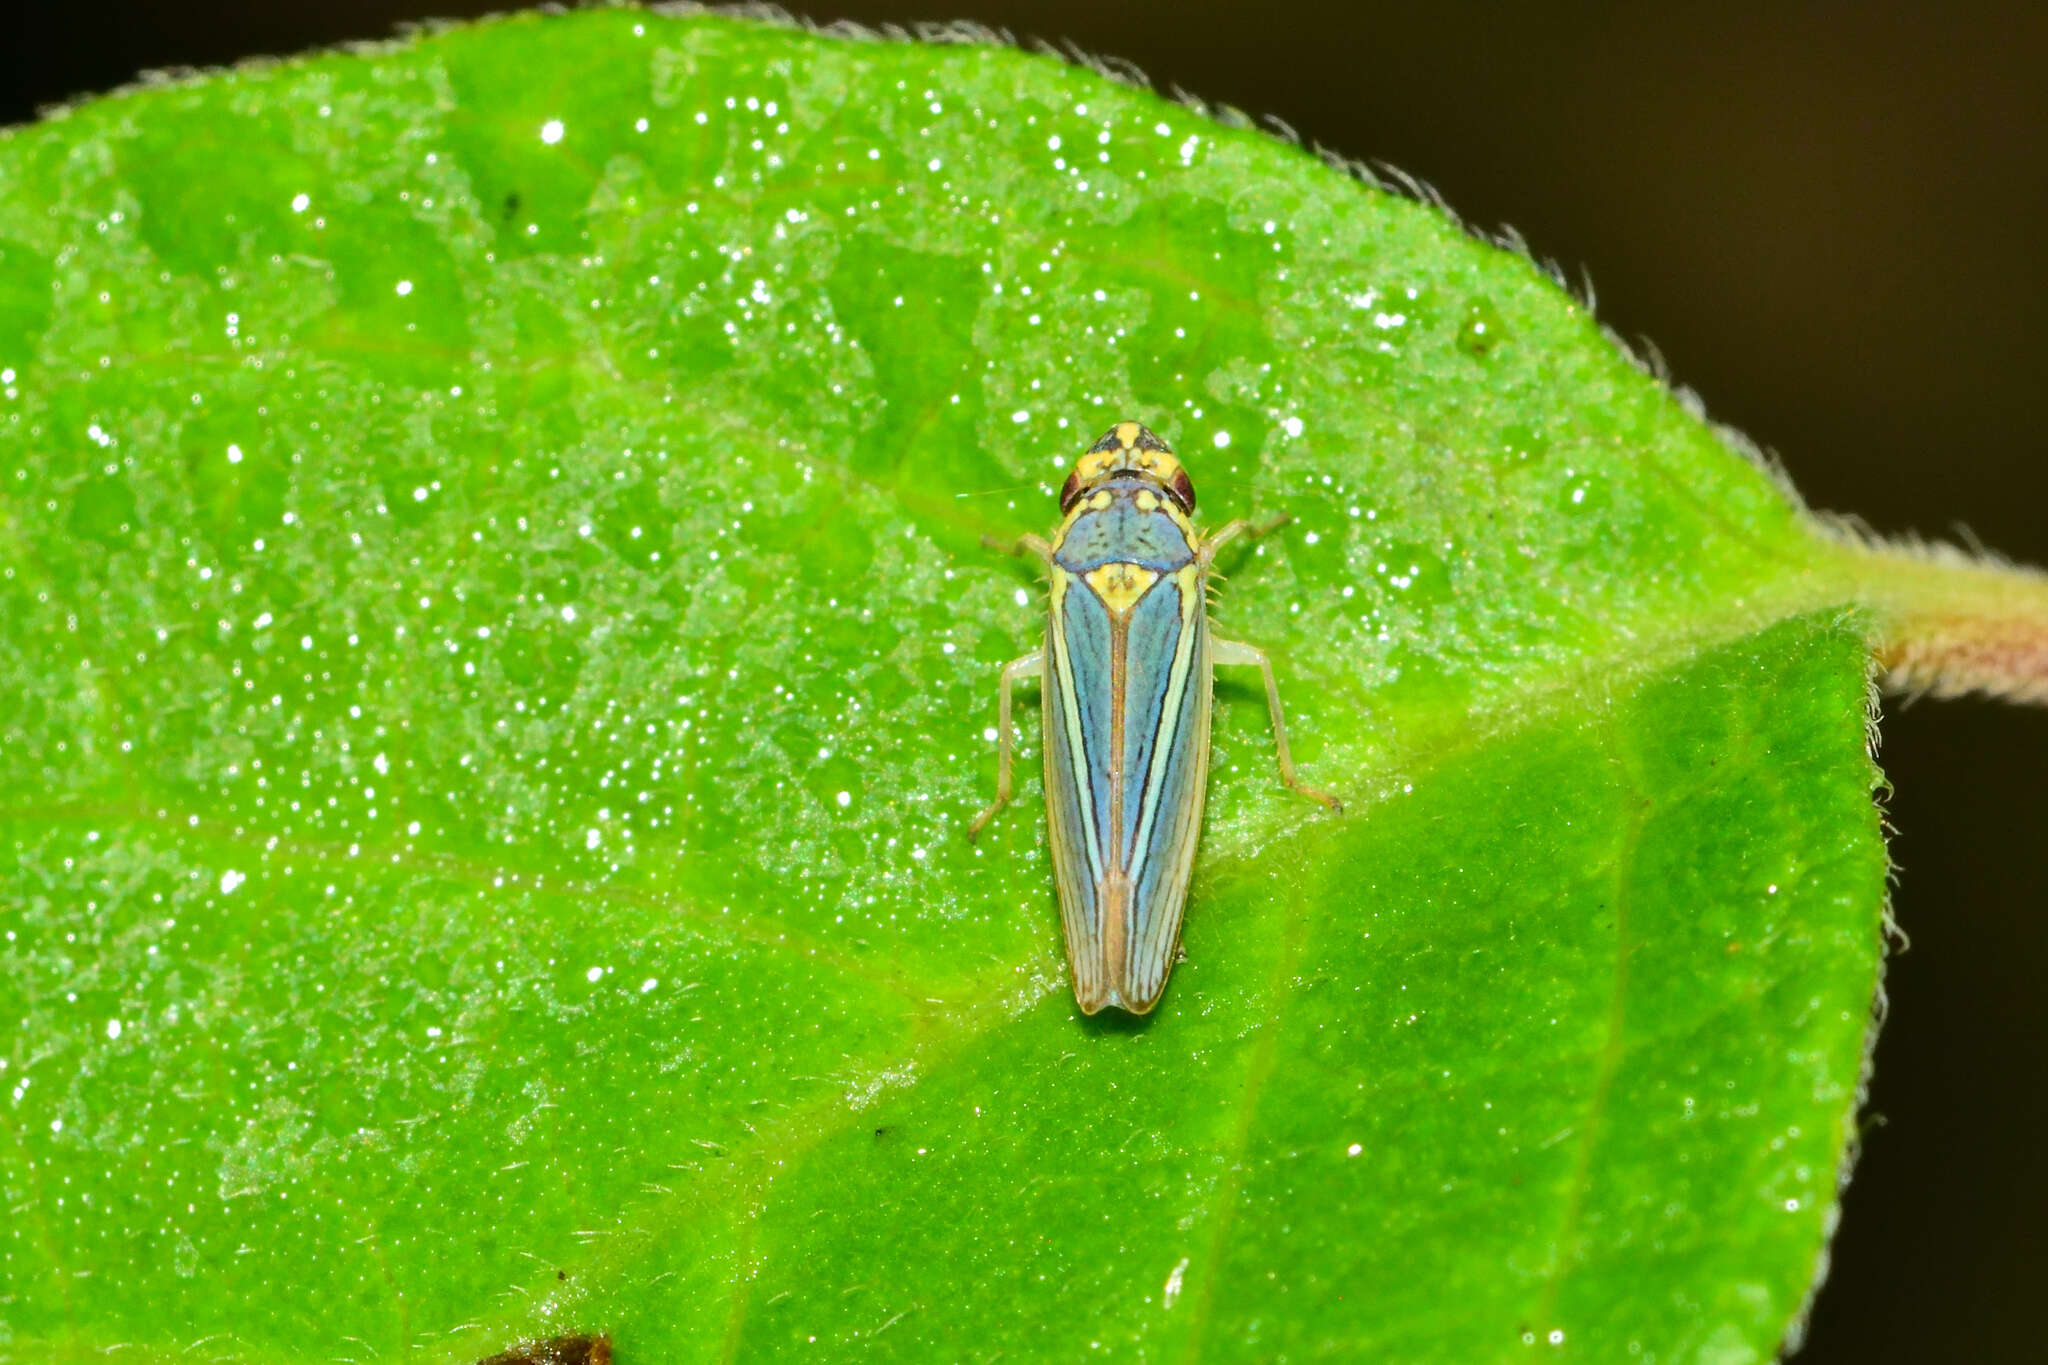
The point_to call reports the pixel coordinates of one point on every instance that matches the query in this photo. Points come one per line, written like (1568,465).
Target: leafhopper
(1127,672)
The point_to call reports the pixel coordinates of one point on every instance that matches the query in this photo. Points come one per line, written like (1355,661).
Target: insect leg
(1006,735)
(1231,530)
(1036,546)
(1231,652)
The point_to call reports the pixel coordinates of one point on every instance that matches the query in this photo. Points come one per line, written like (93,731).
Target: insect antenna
(1041,488)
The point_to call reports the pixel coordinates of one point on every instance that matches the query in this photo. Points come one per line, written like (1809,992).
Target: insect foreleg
(1006,733)
(1036,546)
(1232,652)
(1231,530)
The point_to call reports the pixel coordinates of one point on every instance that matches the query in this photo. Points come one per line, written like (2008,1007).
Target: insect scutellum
(1127,670)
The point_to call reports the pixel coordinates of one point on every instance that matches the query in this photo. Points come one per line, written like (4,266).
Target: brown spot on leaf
(581,1350)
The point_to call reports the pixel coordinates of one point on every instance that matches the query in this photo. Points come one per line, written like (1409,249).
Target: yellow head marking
(1121,585)
(1097,464)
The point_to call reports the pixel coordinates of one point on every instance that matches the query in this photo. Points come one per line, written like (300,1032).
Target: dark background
(1830,219)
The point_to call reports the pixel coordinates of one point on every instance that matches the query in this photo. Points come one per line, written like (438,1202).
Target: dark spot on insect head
(1070,491)
(1183,490)
(1143,439)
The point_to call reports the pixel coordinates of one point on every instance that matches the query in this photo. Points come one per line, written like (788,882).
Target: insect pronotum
(1127,670)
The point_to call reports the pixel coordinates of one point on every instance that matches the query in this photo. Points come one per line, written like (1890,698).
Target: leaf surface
(496,659)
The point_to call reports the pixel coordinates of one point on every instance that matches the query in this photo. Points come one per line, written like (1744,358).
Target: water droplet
(1173,1282)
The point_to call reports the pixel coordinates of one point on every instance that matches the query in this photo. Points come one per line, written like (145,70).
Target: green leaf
(494,660)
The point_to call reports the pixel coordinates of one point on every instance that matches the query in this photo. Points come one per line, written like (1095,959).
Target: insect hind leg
(1232,652)
(1006,735)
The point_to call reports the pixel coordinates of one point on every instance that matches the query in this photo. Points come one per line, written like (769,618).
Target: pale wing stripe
(1074,911)
(1077,747)
(1162,742)
(1162,944)
(1171,888)
(1171,816)
(1066,802)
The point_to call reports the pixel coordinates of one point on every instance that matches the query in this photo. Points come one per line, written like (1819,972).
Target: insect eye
(1070,491)
(1183,489)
